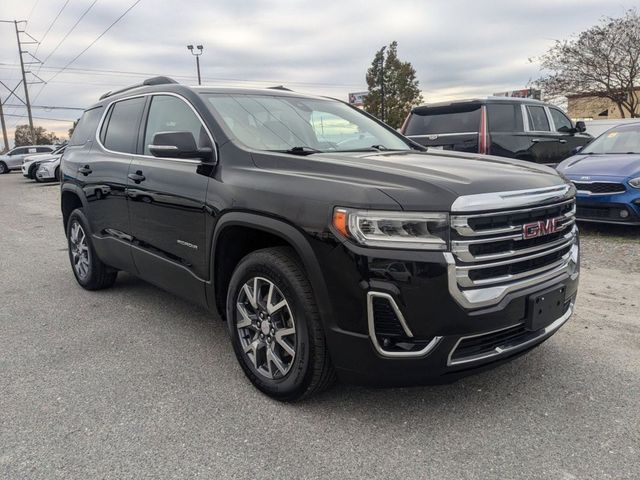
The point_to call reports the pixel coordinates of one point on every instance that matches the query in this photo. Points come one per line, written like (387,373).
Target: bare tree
(603,61)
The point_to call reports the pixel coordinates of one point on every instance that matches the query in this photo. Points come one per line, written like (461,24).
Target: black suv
(329,242)
(508,127)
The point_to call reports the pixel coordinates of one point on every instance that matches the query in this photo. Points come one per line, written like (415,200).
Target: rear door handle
(562,140)
(536,140)
(86,170)
(137,177)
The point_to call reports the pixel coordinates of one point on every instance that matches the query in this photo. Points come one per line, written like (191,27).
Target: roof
(483,100)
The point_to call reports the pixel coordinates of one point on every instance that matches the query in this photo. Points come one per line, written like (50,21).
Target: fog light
(624,213)
(637,201)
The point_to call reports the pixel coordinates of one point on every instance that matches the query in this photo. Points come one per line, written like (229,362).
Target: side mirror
(581,126)
(179,145)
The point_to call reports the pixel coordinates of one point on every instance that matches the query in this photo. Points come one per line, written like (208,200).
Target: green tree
(603,61)
(23,136)
(73,127)
(401,88)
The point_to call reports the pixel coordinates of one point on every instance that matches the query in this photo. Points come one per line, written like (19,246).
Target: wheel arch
(269,232)
(71,198)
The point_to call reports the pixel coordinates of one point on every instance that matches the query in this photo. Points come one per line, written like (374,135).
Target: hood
(601,165)
(420,180)
(38,157)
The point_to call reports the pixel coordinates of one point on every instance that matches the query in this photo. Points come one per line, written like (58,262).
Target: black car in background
(508,127)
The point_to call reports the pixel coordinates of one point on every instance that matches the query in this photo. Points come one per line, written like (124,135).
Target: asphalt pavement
(132,382)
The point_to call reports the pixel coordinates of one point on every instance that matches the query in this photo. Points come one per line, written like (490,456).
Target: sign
(524,93)
(357,99)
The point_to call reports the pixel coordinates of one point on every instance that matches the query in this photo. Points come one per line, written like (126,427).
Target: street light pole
(382,84)
(196,53)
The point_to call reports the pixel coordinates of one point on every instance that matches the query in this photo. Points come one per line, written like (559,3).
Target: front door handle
(562,140)
(536,140)
(86,170)
(137,177)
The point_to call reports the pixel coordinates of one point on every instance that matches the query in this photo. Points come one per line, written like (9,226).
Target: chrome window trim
(500,350)
(488,296)
(512,199)
(525,114)
(136,155)
(437,135)
(372,331)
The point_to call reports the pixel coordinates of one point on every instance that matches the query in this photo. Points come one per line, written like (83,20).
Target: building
(590,107)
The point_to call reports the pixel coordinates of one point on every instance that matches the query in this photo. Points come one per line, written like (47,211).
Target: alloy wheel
(79,250)
(266,328)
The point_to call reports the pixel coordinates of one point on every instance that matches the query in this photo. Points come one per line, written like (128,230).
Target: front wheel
(3,168)
(88,269)
(275,326)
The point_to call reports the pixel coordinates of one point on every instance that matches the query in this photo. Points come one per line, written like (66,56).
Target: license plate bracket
(545,307)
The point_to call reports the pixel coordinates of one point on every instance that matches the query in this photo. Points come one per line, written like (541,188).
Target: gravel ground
(132,382)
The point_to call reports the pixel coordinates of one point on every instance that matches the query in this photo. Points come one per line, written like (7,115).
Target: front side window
(538,121)
(281,123)
(121,132)
(562,123)
(618,140)
(171,114)
(18,151)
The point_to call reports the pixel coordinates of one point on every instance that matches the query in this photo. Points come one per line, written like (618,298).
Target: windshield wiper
(302,150)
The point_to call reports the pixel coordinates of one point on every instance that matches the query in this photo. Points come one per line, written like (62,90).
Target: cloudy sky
(460,48)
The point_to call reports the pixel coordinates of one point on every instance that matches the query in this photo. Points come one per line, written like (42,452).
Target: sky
(459,48)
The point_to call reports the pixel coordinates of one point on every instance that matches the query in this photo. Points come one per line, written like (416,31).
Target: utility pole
(24,83)
(196,54)
(5,139)
(382,84)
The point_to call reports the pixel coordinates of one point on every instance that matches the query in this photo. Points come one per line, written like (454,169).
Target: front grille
(483,344)
(600,188)
(490,249)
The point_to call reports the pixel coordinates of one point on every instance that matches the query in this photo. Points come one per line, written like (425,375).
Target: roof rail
(280,87)
(147,82)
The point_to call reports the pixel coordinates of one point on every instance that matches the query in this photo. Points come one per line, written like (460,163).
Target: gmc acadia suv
(330,243)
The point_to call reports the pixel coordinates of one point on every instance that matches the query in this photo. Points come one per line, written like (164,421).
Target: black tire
(32,173)
(3,168)
(57,174)
(98,275)
(310,370)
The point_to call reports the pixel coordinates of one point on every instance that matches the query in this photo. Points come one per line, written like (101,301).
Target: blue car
(606,174)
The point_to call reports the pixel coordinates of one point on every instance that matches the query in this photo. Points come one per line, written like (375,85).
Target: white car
(49,170)
(31,163)
(12,160)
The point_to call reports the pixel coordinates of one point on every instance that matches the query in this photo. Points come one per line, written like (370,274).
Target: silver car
(12,160)
(30,164)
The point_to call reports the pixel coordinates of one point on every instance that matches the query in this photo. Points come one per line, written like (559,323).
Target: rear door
(507,137)
(543,142)
(167,202)
(450,127)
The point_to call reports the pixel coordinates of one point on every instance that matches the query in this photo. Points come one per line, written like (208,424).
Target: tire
(308,370)
(32,173)
(3,168)
(57,174)
(88,269)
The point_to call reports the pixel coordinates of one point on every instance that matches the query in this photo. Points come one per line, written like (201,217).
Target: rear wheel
(3,168)
(275,327)
(88,269)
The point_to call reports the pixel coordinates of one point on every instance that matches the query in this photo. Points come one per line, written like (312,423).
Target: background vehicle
(508,127)
(49,170)
(31,163)
(12,160)
(595,128)
(329,242)
(606,174)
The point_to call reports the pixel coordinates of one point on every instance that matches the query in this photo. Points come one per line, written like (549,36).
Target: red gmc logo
(538,229)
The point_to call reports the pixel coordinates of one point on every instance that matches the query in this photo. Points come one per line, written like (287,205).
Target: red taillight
(483,133)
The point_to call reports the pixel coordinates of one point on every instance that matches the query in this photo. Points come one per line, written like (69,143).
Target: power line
(46,107)
(51,26)
(39,118)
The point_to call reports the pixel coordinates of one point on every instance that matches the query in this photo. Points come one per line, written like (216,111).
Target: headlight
(408,230)
(635,182)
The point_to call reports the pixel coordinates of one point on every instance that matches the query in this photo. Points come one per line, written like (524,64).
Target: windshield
(300,125)
(620,140)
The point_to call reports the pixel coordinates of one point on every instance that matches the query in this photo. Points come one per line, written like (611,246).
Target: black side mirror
(581,126)
(179,145)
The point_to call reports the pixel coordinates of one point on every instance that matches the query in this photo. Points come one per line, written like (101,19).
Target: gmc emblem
(541,228)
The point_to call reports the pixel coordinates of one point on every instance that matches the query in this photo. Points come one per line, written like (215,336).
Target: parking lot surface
(132,382)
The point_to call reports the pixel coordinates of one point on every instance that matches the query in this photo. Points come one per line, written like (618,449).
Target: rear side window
(86,128)
(121,132)
(43,149)
(562,123)
(505,117)
(538,121)
(449,119)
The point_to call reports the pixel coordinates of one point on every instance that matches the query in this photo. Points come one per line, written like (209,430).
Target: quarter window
(121,133)
(538,121)
(562,123)
(86,127)
(171,114)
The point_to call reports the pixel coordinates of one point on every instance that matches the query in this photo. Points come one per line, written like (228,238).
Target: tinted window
(538,121)
(171,114)
(449,119)
(43,149)
(122,131)
(86,127)
(562,123)
(19,151)
(505,117)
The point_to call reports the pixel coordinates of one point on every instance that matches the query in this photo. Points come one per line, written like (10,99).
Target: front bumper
(45,172)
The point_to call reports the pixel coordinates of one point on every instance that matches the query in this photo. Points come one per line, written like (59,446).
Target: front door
(166,199)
